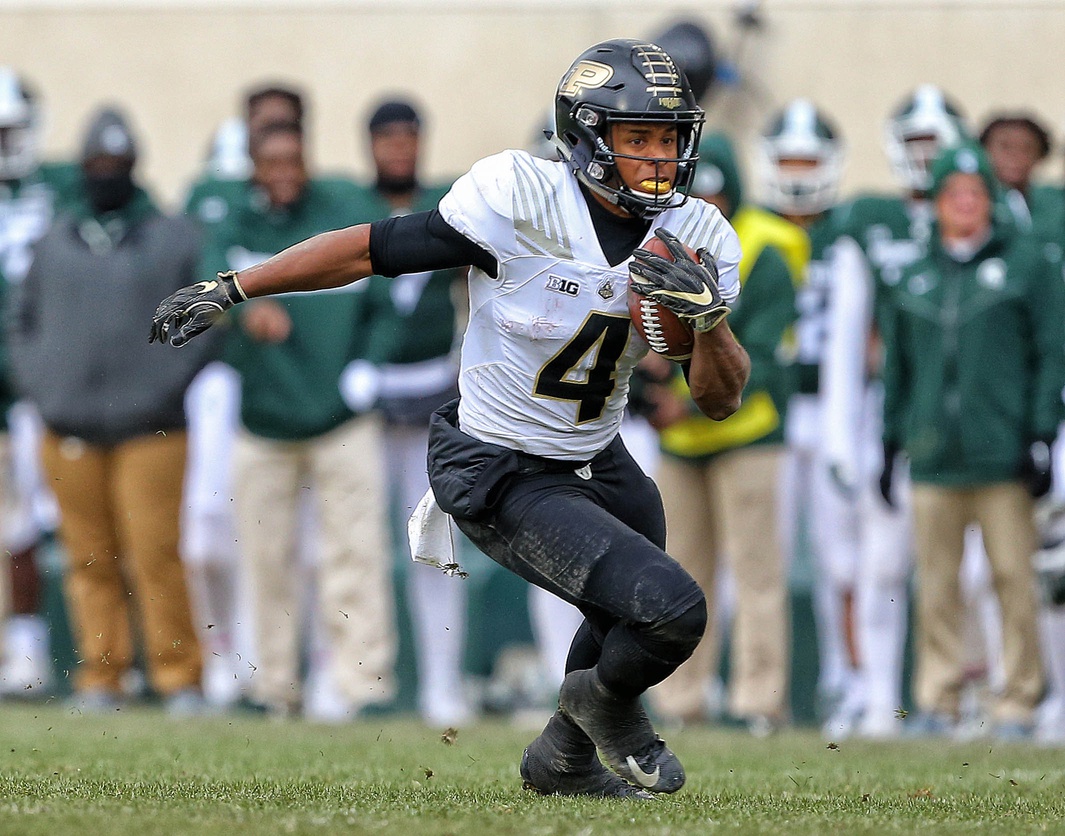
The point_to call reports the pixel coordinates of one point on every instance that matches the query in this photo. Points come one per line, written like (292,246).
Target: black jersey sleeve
(421,242)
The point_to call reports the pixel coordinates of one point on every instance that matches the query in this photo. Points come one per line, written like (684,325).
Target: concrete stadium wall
(485,71)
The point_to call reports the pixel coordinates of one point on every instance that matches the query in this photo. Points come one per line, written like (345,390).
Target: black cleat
(562,761)
(622,731)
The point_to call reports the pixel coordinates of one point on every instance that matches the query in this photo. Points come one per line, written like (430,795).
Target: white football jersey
(549,348)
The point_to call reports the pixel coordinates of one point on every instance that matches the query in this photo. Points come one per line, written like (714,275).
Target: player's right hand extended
(194,309)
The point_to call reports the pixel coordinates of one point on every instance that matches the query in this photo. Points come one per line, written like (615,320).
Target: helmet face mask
(19,128)
(800,161)
(627,82)
(923,125)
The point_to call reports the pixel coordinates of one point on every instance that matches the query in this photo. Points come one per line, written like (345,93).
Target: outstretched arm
(408,244)
(331,259)
(328,260)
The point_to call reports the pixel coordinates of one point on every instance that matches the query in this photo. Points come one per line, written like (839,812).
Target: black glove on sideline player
(193,309)
(888,473)
(687,287)
(1036,469)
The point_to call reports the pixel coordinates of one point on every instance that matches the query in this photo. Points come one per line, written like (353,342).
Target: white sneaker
(448,712)
(27,670)
(839,726)
(1050,734)
(879,725)
(221,688)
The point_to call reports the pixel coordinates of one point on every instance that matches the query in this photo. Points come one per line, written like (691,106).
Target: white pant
(29,507)
(886,557)
(209,533)
(437,602)
(833,526)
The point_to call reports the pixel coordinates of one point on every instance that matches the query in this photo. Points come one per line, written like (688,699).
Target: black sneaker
(622,731)
(562,761)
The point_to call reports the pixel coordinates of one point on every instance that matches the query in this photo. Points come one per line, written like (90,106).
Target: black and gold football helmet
(625,81)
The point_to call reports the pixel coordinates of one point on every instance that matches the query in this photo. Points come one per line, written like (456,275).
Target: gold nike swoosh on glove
(705,297)
(207,287)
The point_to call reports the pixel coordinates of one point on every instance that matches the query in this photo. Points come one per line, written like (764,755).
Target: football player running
(527,460)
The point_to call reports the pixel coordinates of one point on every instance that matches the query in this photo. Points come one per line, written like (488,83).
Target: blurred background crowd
(222,527)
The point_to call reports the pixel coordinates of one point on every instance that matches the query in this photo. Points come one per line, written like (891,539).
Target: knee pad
(675,640)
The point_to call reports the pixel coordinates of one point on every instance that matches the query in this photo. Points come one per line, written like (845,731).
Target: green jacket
(974,359)
(289,390)
(892,233)
(1047,207)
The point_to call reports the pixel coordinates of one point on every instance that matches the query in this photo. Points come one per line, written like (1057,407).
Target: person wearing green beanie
(880,233)
(973,373)
(963,158)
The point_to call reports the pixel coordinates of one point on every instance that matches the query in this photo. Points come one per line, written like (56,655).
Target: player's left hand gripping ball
(687,287)
(194,309)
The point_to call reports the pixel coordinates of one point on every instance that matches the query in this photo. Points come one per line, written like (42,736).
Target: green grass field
(138,772)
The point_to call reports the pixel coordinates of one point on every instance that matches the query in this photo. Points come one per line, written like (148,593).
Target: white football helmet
(19,128)
(917,130)
(799,132)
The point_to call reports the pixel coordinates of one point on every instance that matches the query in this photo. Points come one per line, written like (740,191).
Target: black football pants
(599,544)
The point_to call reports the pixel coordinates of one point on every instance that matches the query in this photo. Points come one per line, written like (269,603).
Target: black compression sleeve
(421,242)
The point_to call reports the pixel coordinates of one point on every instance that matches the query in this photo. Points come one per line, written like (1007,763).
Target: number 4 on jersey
(584,369)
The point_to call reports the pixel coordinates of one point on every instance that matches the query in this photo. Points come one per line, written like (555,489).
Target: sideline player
(32,192)
(416,372)
(800,158)
(527,460)
(879,235)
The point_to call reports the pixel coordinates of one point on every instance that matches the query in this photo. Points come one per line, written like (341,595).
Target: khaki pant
(1004,513)
(727,507)
(119,510)
(7,509)
(342,470)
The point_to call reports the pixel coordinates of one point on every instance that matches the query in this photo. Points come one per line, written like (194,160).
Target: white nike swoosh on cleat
(644,779)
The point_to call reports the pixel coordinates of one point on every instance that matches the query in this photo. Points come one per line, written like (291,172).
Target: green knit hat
(967,158)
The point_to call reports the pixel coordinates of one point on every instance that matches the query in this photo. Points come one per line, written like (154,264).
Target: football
(659,327)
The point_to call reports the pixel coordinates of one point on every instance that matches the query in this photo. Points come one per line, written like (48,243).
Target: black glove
(888,474)
(1036,469)
(193,309)
(687,287)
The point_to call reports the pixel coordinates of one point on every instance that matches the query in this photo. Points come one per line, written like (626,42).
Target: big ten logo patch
(570,287)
